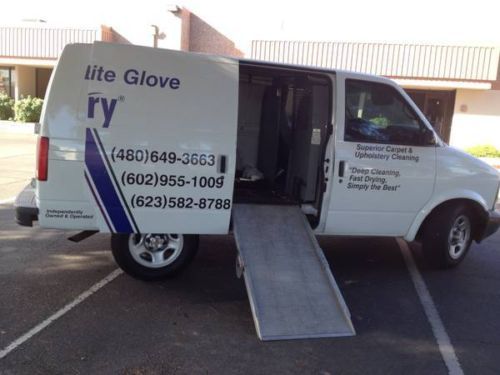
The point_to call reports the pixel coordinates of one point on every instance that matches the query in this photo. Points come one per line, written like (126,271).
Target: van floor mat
(291,290)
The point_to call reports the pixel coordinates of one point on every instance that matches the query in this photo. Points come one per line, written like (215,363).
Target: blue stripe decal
(104,186)
(102,151)
(97,201)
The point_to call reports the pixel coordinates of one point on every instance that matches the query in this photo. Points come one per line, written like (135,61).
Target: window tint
(377,113)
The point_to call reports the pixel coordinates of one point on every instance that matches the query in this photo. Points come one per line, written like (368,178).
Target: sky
(454,22)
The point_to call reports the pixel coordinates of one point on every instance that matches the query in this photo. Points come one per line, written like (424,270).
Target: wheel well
(480,216)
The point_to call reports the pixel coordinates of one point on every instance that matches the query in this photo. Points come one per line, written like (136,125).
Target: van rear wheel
(153,256)
(448,236)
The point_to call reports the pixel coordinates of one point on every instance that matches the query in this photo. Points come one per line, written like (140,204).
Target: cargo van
(157,147)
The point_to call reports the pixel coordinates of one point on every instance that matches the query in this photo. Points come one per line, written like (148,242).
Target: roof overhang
(40,63)
(438,65)
(441,85)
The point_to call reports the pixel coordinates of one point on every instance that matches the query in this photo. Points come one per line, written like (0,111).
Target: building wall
(202,37)
(185,17)
(33,48)
(25,81)
(476,119)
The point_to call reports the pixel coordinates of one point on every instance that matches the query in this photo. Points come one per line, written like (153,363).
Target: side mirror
(428,137)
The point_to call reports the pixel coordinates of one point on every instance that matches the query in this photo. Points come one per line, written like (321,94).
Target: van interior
(284,121)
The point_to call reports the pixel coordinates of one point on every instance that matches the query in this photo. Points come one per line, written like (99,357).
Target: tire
(448,235)
(153,256)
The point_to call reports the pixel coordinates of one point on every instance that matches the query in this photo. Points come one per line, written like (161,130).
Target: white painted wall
(476,120)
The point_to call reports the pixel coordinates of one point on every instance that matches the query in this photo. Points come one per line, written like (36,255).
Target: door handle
(341,168)
(222,164)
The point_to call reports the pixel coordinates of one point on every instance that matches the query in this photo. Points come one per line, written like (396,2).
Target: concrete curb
(17,127)
(8,200)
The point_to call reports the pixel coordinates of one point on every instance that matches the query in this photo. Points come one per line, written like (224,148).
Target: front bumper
(492,225)
(25,206)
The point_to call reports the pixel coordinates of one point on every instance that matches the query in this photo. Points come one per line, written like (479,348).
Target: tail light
(42,163)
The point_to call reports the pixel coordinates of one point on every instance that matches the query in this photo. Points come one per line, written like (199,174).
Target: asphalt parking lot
(17,159)
(200,322)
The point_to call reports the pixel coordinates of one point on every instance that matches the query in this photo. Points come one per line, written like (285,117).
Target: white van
(156,146)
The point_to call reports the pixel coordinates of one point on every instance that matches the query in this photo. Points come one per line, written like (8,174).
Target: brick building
(29,52)
(456,86)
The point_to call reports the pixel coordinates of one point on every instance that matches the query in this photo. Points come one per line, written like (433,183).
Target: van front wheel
(448,236)
(153,256)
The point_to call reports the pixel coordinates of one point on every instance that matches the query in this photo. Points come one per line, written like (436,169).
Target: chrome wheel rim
(155,250)
(459,237)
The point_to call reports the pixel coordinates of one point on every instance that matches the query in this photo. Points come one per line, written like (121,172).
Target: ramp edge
(303,337)
(326,269)
(329,275)
(250,289)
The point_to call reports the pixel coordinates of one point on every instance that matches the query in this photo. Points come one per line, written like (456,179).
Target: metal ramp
(292,292)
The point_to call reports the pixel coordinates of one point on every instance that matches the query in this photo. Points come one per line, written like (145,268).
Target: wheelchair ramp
(292,292)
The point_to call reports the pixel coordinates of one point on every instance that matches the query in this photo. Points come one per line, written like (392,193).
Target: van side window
(377,113)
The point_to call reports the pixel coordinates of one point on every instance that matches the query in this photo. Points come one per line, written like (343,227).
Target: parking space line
(51,319)
(8,200)
(442,338)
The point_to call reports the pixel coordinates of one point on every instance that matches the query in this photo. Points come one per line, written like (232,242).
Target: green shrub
(28,109)
(484,151)
(6,107)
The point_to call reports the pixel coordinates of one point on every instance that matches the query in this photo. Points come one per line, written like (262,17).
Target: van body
(135,140)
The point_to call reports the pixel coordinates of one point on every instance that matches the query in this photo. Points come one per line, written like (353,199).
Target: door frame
(323,181)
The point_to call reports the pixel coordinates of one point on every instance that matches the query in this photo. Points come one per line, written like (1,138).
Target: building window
(7,81)
(438,107)
(42,81)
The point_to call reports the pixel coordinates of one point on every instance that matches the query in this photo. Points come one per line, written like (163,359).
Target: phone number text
(163,202)
(146,156)
(157,179)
